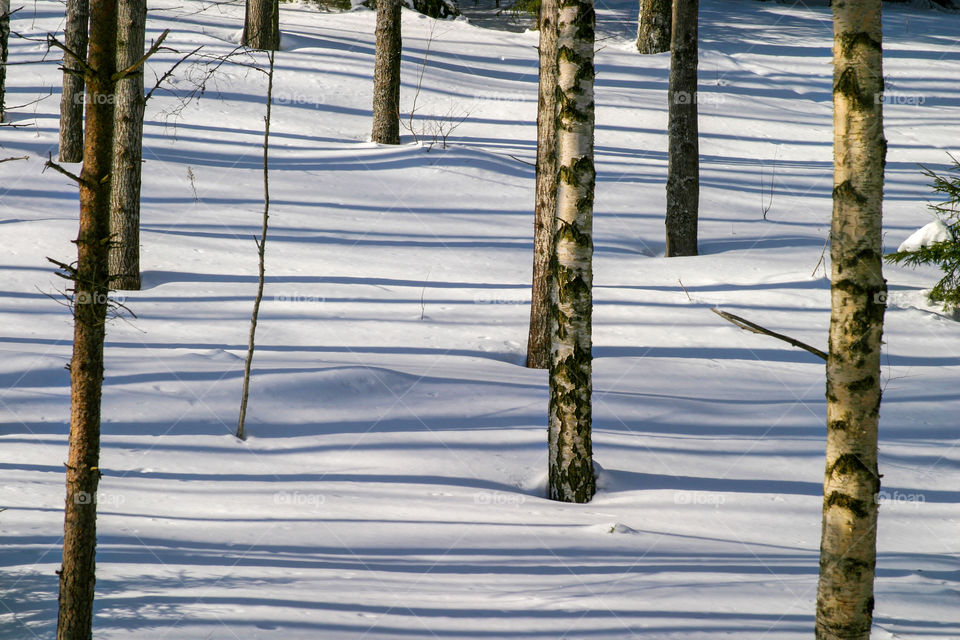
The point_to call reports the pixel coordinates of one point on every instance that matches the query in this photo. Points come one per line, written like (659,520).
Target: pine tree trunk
(538,341)
(71,100)
(683,177)
(127,150)
(571,477)
(4,44)
(261,28)
(77,576)
(653,26)
(386,74)
(852,480)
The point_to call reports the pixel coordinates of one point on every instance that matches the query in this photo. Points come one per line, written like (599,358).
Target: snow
(392,484)
(926,236)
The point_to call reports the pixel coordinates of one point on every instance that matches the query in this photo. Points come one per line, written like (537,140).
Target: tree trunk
(683,177)
(77,576)
(4,44)
(653,26)
(386,74)
(857,291)
(71,99)
(538,341)
(261,27)
(571,477)
(127,150)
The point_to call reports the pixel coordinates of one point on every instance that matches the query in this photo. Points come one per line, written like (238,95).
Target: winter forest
(506,319)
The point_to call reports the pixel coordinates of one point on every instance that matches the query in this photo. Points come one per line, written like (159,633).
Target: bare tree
(683,178)
(538,340)
(71,101)
(571,476)
(127,149)
(91,282)
(848,545)
(386,74)
(653,26)
(261,26)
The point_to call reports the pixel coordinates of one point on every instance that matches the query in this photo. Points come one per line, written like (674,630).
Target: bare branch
(84,67)
(16,158)
(56,167)
(120,75)
(169,72)
(755,328)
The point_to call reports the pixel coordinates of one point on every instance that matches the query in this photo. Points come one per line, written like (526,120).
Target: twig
(261,248)
(31,103)
(169,72)
(17,158)
(755,328)
(193,184)
(773,177)
(532,164)
(423,307)
(416,94)
(822,253)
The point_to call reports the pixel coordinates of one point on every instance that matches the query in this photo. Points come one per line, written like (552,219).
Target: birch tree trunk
(857,290)
(538,341)
(78,574)
(127,150)
(71,99)
(386,74)
(653,26)
(683,177)
(261,26)
(571,477)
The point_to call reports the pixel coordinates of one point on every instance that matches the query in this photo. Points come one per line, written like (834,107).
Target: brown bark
(683,177)
(77,575)
(261,27)
(386,74)
(848,544)
(71,100)
(538,340)
(653,26)
(127,150)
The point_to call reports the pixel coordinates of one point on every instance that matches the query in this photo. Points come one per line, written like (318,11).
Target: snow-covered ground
(392,486)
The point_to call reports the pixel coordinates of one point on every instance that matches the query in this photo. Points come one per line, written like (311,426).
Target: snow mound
(926,236)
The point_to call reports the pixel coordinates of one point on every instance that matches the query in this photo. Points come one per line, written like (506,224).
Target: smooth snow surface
(927,235)
(392,484)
